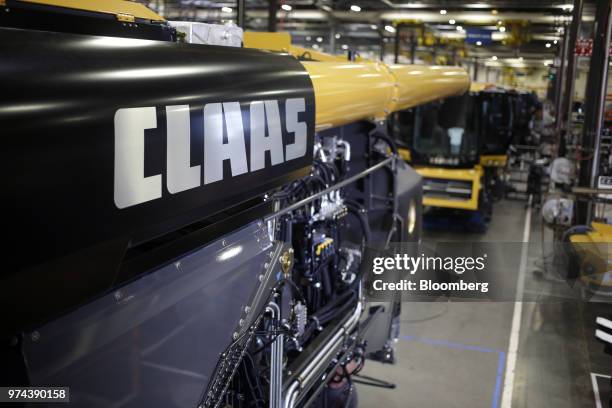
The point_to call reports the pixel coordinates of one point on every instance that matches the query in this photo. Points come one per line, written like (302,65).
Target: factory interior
(306,203)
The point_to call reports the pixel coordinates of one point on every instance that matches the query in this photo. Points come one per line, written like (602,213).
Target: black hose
(386,139)
(359,211)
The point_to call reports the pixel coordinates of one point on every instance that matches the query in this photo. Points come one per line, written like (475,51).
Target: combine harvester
(457,144)
(187,221)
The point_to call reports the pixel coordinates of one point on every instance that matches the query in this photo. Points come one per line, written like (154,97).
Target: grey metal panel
(156,341)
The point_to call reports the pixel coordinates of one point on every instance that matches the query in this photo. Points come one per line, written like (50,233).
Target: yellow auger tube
(346,92)
(419,84)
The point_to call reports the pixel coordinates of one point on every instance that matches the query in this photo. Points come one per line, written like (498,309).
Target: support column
(570,73)
(396,50)
(559,90)
(272,8)
(241,13)
(332,36)
(413,46)
(594,106)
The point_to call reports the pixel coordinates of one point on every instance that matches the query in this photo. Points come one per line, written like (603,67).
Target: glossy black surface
(66,238)
(20,14)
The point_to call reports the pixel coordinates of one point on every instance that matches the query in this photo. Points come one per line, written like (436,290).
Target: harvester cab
(454,144)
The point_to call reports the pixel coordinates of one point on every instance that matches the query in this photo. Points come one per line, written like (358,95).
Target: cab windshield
(444,132)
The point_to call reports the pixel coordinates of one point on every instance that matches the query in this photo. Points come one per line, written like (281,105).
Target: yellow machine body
(445,176)
(594,248)
(404,154)
(480,86)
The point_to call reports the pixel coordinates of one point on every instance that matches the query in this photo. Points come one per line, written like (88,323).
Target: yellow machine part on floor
(497,160)
(594,248)
(472,175)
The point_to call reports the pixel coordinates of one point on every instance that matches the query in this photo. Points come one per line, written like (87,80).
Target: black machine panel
(26,15)
(112,142)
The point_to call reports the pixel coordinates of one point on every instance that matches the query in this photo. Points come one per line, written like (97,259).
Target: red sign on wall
(584,48)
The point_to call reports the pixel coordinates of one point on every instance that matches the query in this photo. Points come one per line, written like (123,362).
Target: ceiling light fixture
(389,28)
(319,39)
(226,9)
(374,27)
(308,38)
(344,47)
(494,58)
(442,11)
(338,35)
(286,7)
(355,8)
(556,41)
(451,21)
(479,43)
(548,45)
(502,29)
(459,28)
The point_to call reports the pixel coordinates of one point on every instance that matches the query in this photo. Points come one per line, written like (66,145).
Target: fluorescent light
(479,43)
(459,28)
(502,29)
(355,8)
(286,7)
(338,35)
(390,29)
(226,9)
(451,21)
(319,39)
(344,47)
(442,11)
(548,45)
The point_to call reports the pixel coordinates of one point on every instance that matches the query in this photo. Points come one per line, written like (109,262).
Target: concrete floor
(454,354)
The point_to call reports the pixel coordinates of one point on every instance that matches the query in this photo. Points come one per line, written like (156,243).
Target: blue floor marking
(501,360)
